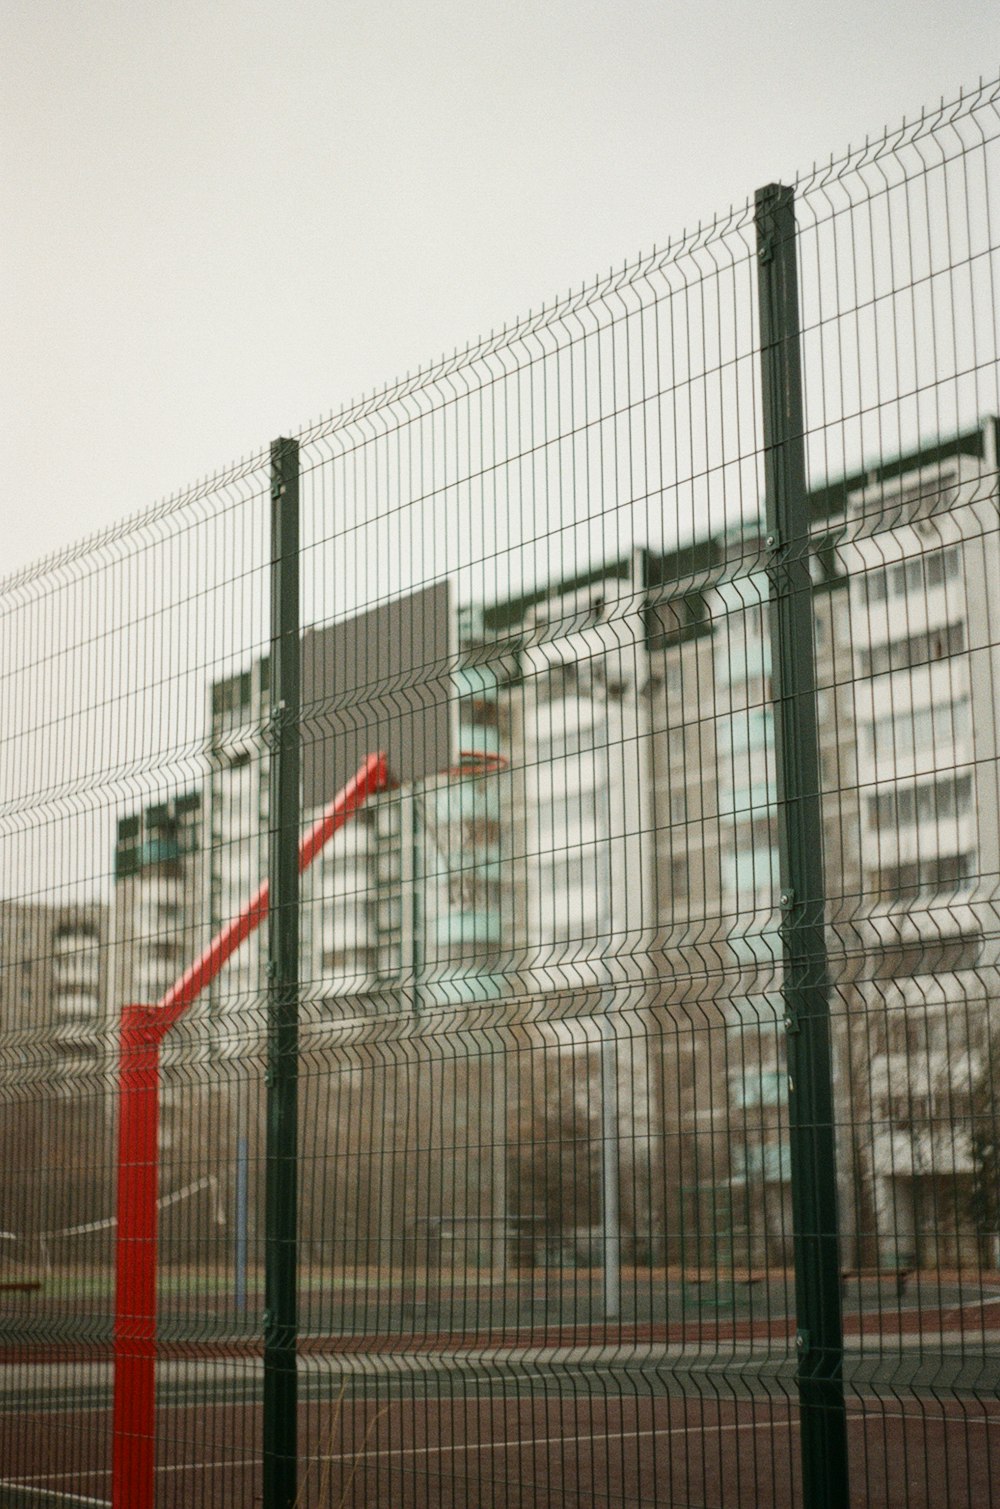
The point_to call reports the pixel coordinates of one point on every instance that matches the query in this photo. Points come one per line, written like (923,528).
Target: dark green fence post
(819,1336)
(281,1206)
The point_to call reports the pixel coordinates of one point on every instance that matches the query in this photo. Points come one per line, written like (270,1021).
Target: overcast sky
(224,220)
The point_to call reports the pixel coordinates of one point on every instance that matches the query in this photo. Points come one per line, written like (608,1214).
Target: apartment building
(613,836)
(922,542)
(754,1213)
(55,1111)
(158,919)
(905,572)
(599,854)
(235,824)
(579,847)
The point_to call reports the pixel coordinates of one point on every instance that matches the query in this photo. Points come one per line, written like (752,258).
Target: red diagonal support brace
(141,1032)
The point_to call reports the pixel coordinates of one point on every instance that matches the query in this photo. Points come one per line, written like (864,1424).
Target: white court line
(46,1495)
(454,1448)
(620,1435)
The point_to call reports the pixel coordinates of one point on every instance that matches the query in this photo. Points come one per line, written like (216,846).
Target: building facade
(568,937)
(55,1110)
(924,554)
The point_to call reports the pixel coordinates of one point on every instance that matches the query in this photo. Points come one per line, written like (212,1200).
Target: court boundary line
(454,1448)
(23,1484)
(15,1494)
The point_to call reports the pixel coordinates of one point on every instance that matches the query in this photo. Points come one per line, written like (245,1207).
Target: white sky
(223,220)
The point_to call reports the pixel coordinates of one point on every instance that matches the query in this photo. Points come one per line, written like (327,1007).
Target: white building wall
(926,744)
(587,797)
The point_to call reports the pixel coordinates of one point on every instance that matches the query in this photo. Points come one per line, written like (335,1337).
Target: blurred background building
(593,866)
(55,1113)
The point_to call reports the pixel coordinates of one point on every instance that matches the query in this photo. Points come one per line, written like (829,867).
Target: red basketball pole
(142,1029)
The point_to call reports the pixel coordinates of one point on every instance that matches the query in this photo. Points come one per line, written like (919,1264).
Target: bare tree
(554,1168)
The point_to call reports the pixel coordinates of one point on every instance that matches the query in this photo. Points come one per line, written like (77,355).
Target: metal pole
(242,1220)
(819,1338)
(134,1410)
(141,1030)
(280,1203)
(611,1242)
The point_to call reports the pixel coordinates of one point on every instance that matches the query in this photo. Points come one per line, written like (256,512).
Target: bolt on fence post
(819,1339)
(281,1205)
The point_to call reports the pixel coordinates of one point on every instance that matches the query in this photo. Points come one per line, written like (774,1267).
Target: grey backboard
(379,681)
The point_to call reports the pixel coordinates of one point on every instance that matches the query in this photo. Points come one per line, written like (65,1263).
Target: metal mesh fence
(599,1104)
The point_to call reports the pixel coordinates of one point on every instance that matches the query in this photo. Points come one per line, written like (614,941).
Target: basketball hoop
(462,817)
(472,762)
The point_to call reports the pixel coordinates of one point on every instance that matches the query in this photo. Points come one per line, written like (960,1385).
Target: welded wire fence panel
(117,659)
(549,1234)
(519,964)
(898,250)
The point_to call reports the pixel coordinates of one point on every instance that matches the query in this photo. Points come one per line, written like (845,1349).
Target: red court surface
(526,1454)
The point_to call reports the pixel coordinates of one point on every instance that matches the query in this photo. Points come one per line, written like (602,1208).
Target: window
(876,585)
(675,620)
(346,961)
(749,728)
(479,712)
(926,956)
(558,681)
(906,1033)
(942,566)
(827,565)
(231,695)
(761,1087)
(918,573)
(920,728)
(937,872)
(166,950)
(915,649)
(904,1110)
(942,800)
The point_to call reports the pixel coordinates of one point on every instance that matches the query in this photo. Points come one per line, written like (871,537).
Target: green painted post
(819,1338)
(281,1212)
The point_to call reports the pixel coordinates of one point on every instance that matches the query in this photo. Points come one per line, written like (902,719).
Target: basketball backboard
(379,681)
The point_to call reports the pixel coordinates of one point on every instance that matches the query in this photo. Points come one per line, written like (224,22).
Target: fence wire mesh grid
(499,956)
